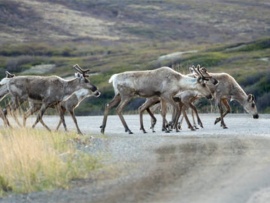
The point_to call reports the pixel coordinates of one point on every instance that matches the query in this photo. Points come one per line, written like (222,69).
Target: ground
(208,165)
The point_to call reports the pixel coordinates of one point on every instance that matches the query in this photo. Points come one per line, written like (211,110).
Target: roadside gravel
(206,165)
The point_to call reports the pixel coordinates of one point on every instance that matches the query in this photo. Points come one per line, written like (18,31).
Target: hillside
(49,36)
(209,21)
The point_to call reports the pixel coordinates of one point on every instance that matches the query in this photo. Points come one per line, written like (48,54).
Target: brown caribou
(49,90)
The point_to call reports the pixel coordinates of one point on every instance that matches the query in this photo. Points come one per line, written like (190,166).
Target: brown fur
(49,90)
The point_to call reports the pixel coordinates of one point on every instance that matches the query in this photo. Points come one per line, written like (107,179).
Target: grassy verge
(35,160)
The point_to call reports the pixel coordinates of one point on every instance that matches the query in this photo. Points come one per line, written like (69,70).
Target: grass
(241,60)
(35,160)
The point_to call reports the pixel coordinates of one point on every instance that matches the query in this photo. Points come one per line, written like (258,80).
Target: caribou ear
(200,80)
(214,81)
(78,75)
(250,98)
(191,69)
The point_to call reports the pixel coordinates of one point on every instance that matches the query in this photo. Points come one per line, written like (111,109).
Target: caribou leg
(40,115)
(176,115)
(153,120)
(29,112)
(222,115)
(43,123)
(145,106)
(114,102)
(75,121)
(12,109)
(124,101)
(163,114)
(194,122)
(4,118)
(62,112)
(183,110)
(194,110)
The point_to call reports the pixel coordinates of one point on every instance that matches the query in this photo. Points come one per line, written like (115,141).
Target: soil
(211,164)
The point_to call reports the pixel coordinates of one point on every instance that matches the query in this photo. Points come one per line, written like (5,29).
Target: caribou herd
(162,85)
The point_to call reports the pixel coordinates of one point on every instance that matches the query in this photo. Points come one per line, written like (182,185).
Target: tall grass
(35,160)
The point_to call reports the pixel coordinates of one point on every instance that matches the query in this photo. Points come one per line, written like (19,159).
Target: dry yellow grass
(34,160)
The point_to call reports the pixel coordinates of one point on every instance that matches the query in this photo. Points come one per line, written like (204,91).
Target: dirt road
(210,165)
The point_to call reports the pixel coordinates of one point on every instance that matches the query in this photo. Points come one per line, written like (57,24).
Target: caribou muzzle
(97,93)
(256,116)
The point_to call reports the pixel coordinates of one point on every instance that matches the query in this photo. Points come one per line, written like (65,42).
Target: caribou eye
(203,84)
(253,105)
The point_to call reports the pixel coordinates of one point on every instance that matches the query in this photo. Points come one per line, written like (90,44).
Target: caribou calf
(163,82)
(69,105)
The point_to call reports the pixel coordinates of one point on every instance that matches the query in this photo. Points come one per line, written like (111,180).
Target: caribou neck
(188,83)
(238,94)
(71,86)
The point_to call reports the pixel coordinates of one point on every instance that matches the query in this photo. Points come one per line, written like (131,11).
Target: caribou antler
(206,75)
(9,75)
(200,76)
(198,71)
(82,71)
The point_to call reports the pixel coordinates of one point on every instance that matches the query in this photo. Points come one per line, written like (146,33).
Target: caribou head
(82,75)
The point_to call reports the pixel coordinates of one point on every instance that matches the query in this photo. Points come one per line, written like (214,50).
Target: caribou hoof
(144,132)
(129,131)
(217,120)
(142,129)
(166,130)
(193,129)
(200,124)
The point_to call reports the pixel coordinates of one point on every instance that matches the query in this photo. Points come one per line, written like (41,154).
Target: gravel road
(209,165)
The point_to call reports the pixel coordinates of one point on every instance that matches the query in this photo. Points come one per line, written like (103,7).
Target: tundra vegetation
(35,160)
(117,42)
(248,64)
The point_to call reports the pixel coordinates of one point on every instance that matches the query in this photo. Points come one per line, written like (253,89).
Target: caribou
(67,105)
(229,89)
(4,92)
(49,90)
(163,82)
(185,100)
